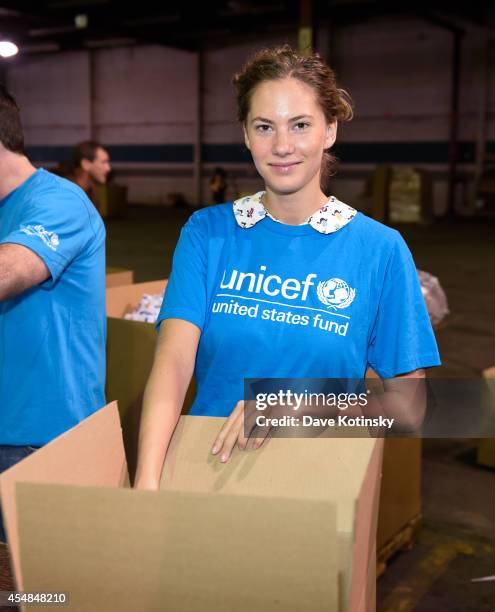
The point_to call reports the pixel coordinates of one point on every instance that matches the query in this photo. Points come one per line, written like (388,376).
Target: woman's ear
(246,137)
(331,135)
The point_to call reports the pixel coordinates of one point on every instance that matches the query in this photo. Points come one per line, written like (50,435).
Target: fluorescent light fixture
(8,49)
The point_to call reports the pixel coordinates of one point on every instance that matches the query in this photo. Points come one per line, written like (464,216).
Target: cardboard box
(118,276)
(130,353)
(486,446)
(112,200)
(486,452)
(400,492)
(288,527)
(89,454)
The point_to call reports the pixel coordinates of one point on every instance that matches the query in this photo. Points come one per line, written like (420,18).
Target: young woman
(286,283)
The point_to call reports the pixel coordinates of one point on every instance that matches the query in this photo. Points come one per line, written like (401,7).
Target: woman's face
(286,132)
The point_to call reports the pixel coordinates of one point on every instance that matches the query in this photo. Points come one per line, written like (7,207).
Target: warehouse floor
(457,541)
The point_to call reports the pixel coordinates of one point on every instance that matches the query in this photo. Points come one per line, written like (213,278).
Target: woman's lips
(284,168)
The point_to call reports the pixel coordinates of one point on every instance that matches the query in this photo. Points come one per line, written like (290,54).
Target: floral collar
(332,216)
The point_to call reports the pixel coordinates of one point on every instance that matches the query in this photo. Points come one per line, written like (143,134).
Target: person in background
(218,185)
(90,168)
(52,300)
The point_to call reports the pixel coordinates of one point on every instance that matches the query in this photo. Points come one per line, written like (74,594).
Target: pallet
(403,540)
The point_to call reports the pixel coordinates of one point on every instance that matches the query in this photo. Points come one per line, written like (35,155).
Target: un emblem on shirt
(335,293)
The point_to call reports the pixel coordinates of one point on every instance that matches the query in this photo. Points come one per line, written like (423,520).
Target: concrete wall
(142,103)
(53,94)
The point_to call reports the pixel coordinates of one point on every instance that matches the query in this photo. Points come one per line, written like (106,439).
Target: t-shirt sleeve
(57,227)
(401,338)
(185,295)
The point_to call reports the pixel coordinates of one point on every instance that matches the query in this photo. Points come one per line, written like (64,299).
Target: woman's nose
(283,143)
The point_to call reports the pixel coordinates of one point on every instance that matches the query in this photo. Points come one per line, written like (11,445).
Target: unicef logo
(335,293)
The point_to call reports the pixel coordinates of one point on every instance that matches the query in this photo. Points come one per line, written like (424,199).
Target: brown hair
(283,62)
(85,150)
(11,134)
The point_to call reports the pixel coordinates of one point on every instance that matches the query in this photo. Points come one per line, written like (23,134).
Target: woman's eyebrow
(298,118)
(261,119)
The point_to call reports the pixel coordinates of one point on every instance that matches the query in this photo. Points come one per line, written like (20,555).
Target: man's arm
(20,269)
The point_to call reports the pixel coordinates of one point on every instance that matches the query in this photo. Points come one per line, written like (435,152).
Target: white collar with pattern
(331,217)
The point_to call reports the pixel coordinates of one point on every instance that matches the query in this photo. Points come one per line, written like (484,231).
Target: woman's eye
(301,125)
(263,128)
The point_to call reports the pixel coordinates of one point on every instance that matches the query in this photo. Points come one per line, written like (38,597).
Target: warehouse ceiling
(60,25)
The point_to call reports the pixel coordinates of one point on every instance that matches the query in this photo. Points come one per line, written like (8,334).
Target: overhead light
(8,49)
(81,21)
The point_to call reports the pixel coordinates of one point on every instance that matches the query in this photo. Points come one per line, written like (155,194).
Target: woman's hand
(232,432)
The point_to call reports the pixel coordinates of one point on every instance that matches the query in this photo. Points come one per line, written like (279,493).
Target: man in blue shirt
(52,300)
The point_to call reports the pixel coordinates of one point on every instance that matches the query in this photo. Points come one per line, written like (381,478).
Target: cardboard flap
(310,468)
(364,549)
(90,453)
(127,550)
(125,298)
(332,469)
(118,276)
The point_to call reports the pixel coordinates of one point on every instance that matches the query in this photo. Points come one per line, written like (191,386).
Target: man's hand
(232,432)
(20,269)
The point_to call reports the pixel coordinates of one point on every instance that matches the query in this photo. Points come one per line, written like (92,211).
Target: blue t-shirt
(52,336)
(283,301)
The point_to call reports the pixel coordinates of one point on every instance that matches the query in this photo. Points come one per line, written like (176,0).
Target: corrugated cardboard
(266,531)
(112,200)
(90,454)
(130,352)
(486,446)
(400,491)
(125,298)
(400,495)
(119,276)
(156,551)
(311,468)
(486,452)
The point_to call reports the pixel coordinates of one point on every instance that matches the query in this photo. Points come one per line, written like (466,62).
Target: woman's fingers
(258,437)
(250,415)
(226,428)
(232,436)
(233,432)
(252,444)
